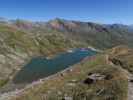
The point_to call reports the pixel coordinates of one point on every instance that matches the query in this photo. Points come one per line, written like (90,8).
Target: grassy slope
(41,43)
(71,83)
(122,56)
(17,47)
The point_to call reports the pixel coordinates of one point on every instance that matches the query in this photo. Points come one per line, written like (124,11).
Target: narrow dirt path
(130,88)
(130,78)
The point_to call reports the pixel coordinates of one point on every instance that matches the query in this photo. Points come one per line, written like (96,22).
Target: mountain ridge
(22,40)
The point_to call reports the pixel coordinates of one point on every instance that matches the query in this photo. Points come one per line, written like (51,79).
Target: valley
(65,60)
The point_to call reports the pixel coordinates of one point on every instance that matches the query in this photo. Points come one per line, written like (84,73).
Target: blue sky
(101,11)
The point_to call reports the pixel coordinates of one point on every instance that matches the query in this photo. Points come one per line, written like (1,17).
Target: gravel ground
(130,88)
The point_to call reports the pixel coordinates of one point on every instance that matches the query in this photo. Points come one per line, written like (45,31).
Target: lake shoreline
(20,91)
(20,88)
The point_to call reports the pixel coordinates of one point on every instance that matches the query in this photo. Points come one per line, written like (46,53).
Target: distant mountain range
(98,35)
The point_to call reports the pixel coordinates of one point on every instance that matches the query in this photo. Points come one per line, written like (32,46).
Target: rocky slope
(123,56)
(17,47)
(98,35)
(95,78)
(101,36)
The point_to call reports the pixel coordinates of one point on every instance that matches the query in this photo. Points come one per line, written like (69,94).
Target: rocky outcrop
(94,77)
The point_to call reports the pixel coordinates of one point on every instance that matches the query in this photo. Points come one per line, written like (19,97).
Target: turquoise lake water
(41,67)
